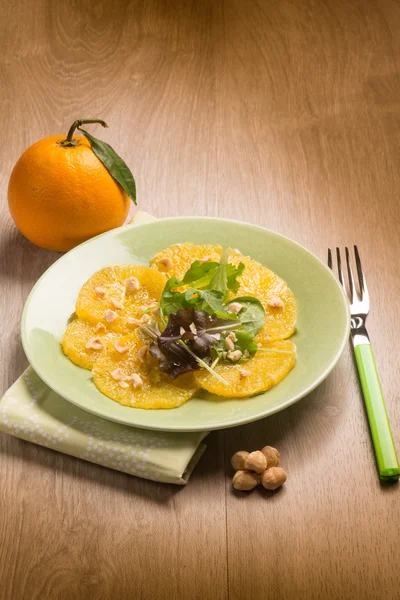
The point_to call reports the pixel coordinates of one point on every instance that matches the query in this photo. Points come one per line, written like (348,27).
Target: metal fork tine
(340,270)
(353,293)
(361,278)
(329,258)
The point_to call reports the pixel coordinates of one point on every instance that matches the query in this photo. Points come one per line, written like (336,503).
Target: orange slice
(181,256)
(76,336)
(259,374)
(105,298)
(157,391)
(274,294)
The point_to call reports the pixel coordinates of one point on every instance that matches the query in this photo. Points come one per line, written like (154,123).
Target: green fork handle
(385,451)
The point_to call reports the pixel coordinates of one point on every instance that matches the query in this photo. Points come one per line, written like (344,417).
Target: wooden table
(280,113)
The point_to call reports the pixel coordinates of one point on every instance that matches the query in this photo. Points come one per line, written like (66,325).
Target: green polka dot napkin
(32,411)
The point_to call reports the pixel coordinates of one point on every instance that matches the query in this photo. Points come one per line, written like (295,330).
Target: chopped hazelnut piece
(205,259)
(259,345)
(193,328)
(100,328)
(244,373)
(235,355)
(235,307)
(116,303)
(135,380)
(118,374)
(123,384)
(110,316)
(142,354)
(145,318)
(132,284)
(100,291)
(95,343)
(229,343)
(165,263)
(121,348)
(182,330)
(133,321)
(276,303)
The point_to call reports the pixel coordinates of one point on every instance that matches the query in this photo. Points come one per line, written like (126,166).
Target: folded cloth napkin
(32,411)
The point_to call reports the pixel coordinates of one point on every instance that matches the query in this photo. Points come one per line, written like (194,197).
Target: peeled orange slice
(259,374)
(105,297)
(112,369)
(274,294)
(176,259)
(76,336)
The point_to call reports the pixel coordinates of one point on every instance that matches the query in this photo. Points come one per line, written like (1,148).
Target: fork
(385,451)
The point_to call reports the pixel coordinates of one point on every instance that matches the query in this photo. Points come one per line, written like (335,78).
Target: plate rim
(235,422)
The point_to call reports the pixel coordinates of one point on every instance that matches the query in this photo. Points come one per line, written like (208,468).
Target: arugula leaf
(252,315)
(200,274)
(225,276)
(210,283)
(245,341)
(211,301)
(219,280)
(232,273)
(208,300)
(171,301)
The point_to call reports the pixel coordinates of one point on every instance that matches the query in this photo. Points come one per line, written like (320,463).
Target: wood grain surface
(282,113)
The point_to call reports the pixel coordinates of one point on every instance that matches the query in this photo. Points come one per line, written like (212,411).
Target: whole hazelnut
(272,455)
(245,481)
(237,460)
(256,462)
(273,478)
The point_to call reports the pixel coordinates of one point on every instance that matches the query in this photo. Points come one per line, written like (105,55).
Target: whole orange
(60,196)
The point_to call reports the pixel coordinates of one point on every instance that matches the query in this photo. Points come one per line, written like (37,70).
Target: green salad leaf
(225,275)
(207,289)
(171,301)
(200,273)
(252,315)
(232,274)
(209,283)
(245,341)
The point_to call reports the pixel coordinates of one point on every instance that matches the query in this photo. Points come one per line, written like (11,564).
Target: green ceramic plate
(323,321)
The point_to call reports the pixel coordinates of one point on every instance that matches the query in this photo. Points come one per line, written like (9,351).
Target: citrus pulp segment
(112,371)
(258,374)
(105,297)
(76,337)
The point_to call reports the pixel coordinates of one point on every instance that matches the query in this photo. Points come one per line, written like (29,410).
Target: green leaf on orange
(114,164)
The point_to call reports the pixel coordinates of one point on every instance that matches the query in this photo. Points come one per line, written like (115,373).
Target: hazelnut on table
(244,481)
(238,459)
(273,478)
(256,462)
(272,455)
